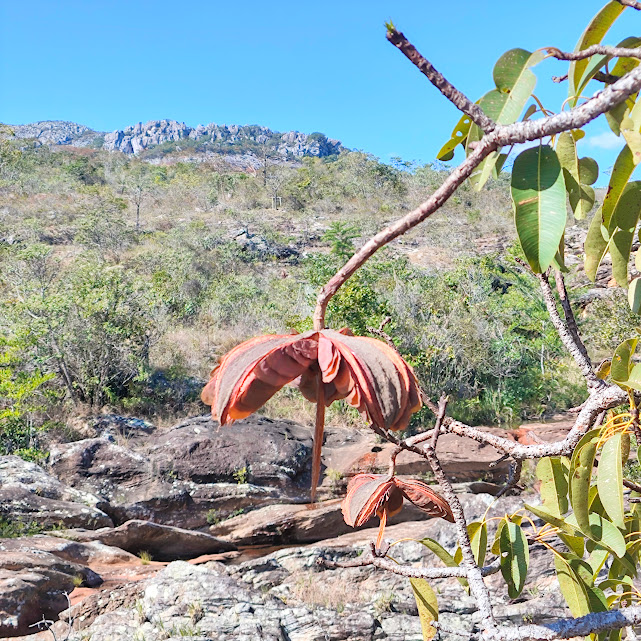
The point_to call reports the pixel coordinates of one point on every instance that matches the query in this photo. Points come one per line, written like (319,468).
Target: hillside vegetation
(122,281)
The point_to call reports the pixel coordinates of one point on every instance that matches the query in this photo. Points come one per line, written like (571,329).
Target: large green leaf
(554,485)
(621,228)
(595,245)
(496,545)
(593,34)
(602,532)
(538,192)
(427,607)
(581,475)
(634,295)
(477,531)
(515,558)
(625,65)
(572,588)
(610,479)
(621,172)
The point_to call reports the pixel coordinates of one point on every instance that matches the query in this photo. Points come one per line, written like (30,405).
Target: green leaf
(624,372)
(625,65)
(621,172)
(610,479)
(595,246)
(477,531)
(578,174)
(634,295)
(515,558)
(444,555)
(514,86)
(602,532)
(595,63)
(581,474)
(622,225)
(538,192)
(593,34)
(427,607)
(458,137)
(496,545)
(554,485)
(630,127)
(572,588)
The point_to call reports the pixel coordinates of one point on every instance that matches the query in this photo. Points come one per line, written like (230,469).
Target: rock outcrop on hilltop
(215,138)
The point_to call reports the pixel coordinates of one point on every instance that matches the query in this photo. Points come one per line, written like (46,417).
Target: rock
(30,495)
(57,132)
(288,524)
(169,483)
(256,450)
(163,542)
(34,583)
(463,460)
(214,139)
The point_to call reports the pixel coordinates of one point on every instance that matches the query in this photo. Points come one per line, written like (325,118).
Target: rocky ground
(206,533)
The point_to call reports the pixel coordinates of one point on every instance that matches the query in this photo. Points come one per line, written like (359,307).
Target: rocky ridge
(252,140)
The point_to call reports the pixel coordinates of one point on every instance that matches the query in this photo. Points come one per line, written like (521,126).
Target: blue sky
(322,66)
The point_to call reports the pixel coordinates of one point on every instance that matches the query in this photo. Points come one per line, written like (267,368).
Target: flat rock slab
(291,524)
(163,542)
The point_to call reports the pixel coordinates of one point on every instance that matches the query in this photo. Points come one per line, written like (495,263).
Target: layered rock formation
(215,138)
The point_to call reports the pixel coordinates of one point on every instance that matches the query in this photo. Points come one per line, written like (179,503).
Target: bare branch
(569,332)
(589,416)
(503,135)
(631,3)
(513,478)
(603,50)
(474,574)
(570,321)
(570,628)
(458,99)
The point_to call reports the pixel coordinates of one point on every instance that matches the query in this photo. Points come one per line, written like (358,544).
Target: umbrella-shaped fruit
(382,495)
(327,365)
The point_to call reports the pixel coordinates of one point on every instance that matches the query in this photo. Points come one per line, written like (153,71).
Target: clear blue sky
(310,66)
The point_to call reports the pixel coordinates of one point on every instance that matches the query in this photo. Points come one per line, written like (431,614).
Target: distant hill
(157,138)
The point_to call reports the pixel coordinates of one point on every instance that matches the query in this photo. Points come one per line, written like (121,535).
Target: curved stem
(319,428)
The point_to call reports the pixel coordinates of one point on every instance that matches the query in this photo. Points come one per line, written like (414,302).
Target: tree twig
(631,3)
(570,320)
(503,135)
(458,99)
(474,574)
(593,50)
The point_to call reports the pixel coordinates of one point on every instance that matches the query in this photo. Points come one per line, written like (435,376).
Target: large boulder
(163,542)
(139,485)
(28,494)
(256,450)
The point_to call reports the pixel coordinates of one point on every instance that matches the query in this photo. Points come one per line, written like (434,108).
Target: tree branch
(570,628)
(458,99)
(474,574)
(570,321)
(631,3)
(603,399)
(502,136)
(603,50)
(569,338)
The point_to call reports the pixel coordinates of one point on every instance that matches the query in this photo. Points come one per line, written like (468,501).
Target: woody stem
(318,433)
